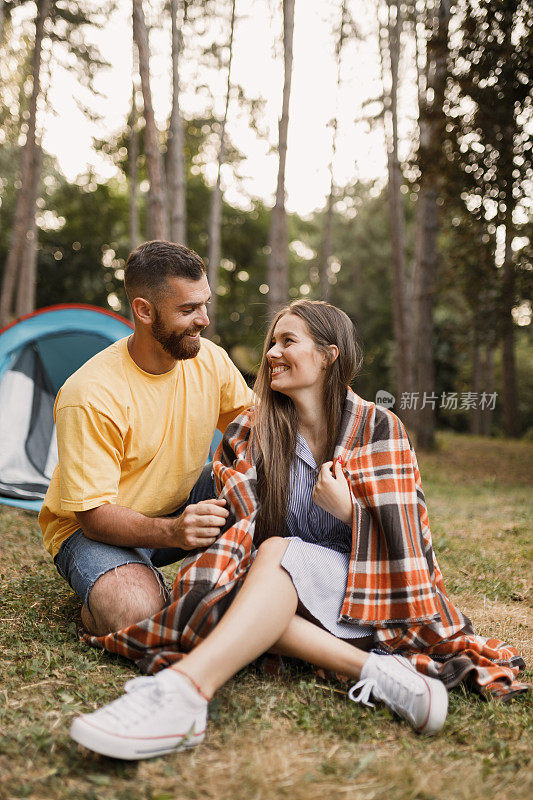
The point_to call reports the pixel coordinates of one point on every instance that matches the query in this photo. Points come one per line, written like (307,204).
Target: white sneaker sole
(130,748)
(438,707)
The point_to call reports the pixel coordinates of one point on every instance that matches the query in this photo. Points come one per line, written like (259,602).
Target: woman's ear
(333,353)
(330,355)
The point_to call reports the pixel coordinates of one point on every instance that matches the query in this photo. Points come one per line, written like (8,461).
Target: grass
(291,736)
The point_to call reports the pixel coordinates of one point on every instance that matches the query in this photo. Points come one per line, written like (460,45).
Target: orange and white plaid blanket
(394,582)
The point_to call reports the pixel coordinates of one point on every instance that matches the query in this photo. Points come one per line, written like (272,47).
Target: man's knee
(124,596)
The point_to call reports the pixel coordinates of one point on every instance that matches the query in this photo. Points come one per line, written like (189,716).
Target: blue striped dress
(318,553)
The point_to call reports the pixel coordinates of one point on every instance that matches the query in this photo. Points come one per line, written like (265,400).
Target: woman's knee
(273,548)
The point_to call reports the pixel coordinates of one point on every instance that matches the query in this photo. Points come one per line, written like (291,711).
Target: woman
(318,562)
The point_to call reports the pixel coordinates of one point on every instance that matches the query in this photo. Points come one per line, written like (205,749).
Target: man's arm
(91,449)
(197,527)
(235,395)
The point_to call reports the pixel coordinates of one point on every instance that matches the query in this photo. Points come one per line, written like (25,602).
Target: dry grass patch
(287,737)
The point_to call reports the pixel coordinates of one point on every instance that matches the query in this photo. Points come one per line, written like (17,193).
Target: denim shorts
(81,561)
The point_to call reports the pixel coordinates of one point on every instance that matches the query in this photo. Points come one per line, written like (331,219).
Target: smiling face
(180,315)
(295,361)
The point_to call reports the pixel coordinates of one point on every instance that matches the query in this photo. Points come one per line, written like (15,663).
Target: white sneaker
(422,701)
(156,716)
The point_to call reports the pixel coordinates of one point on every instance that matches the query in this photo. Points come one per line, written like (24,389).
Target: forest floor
(291,736)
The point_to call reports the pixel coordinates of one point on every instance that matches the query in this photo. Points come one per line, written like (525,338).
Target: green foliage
(70,267)
(362,285)
(490,154)
(242,312)
(492,105)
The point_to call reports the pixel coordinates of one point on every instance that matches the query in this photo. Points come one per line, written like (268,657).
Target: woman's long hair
(276,422)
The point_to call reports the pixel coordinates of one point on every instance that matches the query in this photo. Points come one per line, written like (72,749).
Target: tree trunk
(25,207)
(487,371)
(133,157)
(176,159)
(474,421)
(328,244)
(216,198)
(511,419)
(431,132)
(25,302)
(425,299)
(156,222)
(511,414)
(400,289)
(278,266)
(487,386)
(327,249)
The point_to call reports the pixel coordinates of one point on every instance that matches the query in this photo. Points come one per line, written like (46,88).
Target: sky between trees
(360,149)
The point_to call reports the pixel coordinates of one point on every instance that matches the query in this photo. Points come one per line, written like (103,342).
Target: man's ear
(143,310)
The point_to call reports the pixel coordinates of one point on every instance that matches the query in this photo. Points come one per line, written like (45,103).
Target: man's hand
(332,492)
(199,525)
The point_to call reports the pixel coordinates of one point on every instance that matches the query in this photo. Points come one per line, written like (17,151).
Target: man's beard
(175,344)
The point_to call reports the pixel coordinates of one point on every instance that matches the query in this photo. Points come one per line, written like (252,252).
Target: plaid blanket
(394,581)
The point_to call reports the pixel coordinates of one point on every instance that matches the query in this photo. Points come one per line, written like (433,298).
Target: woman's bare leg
(308,642)
(167,715)
(261,611)
(262,616)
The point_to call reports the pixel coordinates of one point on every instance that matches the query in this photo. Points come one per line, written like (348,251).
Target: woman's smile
(294,350)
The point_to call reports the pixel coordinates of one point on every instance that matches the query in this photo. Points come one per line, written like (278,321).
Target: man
(134,425)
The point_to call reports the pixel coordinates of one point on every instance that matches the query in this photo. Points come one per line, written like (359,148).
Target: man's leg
(118,586)
(122,597)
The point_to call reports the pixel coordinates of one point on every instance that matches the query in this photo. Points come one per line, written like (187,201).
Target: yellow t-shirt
(134,439)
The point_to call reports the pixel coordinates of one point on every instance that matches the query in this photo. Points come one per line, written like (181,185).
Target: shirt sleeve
(235,396)
(91,449)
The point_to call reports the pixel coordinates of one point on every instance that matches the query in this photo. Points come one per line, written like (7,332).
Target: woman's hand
(332,492)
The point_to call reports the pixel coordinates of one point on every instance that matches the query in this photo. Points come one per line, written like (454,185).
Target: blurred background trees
(431,262)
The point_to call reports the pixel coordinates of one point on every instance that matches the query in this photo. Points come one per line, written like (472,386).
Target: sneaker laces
(404,689)
(398,692)
(137,683)
(366,687)
(132,708)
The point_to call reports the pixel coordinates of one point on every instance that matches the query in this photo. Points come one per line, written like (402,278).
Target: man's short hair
(150,264)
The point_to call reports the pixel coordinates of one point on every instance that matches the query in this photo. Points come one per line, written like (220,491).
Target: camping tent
(37,354)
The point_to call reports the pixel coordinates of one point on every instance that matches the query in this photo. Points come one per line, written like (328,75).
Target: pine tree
(23,226)
(175,143)
(215,217)
(278,266)
(327,248)
(432,122)
(157,221)
(56,22)
(489,118)
(391,24)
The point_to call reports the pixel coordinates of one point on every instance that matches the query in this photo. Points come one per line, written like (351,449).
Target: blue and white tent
(37,354)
